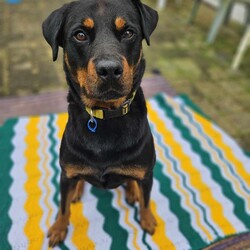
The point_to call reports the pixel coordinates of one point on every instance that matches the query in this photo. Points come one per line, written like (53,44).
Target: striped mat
(200,193)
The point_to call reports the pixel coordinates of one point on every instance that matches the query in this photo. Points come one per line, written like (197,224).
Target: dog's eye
(80,36)
(128,34)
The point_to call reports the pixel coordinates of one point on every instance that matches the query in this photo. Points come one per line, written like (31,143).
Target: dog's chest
(110,177)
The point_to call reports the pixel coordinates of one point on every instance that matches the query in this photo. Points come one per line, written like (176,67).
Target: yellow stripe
(229,155)
(227,151)
(185,195)
(77,219)
(215,155)
(208,126)
(32,228)
(159,236)
(45,166)
(61,123)
(80,225)
(195,178)
(135,231)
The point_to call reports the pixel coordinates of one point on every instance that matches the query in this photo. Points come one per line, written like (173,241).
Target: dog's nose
(109,70)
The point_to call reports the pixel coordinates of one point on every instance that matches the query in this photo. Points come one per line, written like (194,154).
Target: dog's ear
(149,19)
(52,29)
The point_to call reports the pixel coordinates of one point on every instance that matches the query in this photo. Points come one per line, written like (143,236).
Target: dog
(107,140)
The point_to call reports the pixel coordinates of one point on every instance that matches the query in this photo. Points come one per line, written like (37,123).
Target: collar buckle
(125,108)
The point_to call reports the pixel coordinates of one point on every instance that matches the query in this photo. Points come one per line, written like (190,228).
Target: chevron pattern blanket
(200,193)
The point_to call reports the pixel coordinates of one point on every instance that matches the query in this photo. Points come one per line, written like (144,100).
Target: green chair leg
(247,20)
(245,41)
(220,17)
(228,14)
(194,11)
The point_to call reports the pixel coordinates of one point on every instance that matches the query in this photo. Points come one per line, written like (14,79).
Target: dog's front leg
(58,230)
(132,192)
(147,219)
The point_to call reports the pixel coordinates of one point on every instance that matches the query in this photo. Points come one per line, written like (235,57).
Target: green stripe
(111,219)
(136,218)
(197,109)
(184,181)
(54,157)
(53,164)
(185,227)
(214,147)
(239,205)
(6,163)
(192,105)
(247,153)
(144,240)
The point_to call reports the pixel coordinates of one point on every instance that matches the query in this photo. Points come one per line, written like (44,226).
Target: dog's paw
(132,194)
(132,197)
(148,222)
(76,197)
(56,234)
(78,191)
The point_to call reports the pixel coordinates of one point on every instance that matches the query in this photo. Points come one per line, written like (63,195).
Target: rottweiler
(107,140)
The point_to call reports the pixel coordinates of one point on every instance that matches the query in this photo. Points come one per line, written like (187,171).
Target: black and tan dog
(107,140)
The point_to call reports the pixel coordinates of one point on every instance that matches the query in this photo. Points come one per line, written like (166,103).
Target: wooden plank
(56,102)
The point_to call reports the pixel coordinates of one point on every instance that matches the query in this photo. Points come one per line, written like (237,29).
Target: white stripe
(230,171)
(122,214)
(236,150)
(232,174)
(122,223)
(229,141)
(58,145)
(96,220)
(212,152)
(46,176)
(68,240)
(186,149)
(17,192)
(170,219)
(227,205)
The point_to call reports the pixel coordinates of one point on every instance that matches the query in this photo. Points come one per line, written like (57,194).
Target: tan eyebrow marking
(119,23)
(89,23)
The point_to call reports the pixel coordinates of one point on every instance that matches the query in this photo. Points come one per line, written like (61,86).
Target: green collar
(105,114)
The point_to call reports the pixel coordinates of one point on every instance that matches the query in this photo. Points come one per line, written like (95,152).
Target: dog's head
(102,44)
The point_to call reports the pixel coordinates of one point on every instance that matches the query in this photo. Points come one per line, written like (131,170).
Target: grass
(177,49)
(203,71)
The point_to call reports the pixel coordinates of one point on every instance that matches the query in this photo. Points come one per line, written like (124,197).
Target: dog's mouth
(109,99)
(110,95)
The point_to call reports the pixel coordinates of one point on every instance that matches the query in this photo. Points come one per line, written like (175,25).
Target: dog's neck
(109,104)
(84,102)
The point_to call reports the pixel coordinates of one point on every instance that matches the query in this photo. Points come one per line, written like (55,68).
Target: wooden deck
(55,102)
